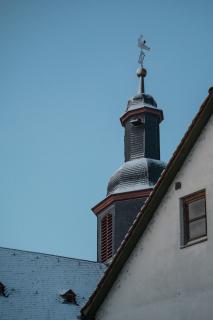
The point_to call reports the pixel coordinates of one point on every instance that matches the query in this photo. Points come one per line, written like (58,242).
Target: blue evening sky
(67,70)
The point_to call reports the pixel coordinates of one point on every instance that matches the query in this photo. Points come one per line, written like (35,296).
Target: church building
(163,268)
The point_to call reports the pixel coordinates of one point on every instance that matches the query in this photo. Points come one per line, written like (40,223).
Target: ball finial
(141,72)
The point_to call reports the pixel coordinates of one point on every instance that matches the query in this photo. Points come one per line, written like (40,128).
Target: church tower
(131,184)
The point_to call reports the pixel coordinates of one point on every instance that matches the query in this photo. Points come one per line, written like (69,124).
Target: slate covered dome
(136,174)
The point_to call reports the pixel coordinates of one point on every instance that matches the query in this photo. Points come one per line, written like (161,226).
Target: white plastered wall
(160,280)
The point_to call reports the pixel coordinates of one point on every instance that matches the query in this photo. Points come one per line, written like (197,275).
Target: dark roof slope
(147,212)
(35,283)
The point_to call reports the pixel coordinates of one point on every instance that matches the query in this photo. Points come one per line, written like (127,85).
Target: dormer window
(2,289)
(69,297)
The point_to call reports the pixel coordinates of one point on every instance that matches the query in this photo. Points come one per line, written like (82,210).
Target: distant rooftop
(35,283)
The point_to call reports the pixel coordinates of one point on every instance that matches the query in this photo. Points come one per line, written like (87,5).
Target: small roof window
(2,290)
(69,297)
(136,122)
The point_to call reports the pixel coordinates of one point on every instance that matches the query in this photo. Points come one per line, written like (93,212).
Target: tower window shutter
(106,237)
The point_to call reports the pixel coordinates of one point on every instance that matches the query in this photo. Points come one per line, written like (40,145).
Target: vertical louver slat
(106,237)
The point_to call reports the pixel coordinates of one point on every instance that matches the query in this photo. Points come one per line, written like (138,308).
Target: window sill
(191,243)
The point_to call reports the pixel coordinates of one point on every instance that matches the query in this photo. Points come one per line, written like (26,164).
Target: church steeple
(131,184)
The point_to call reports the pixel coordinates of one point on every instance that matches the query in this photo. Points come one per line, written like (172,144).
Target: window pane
(196,209)
(197,228)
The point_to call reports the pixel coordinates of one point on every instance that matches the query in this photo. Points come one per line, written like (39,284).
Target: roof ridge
(49,254)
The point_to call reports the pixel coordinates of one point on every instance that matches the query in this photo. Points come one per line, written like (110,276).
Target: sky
(68,69)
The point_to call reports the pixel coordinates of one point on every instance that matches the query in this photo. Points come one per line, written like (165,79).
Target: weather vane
(142,45)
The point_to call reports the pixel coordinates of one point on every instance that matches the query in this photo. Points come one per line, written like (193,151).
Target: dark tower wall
(142,137)
(123,214)
(134,138)
(152,138)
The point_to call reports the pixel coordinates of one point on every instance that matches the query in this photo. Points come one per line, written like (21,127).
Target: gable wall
(160,280)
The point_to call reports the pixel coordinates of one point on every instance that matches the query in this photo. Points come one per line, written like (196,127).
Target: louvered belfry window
(106,237)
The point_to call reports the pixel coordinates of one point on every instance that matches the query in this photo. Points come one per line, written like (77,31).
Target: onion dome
(134,175)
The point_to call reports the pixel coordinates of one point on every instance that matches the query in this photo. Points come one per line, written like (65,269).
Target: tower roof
(137,174)
(141,100)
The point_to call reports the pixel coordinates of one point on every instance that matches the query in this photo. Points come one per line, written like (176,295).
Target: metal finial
(142,45)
